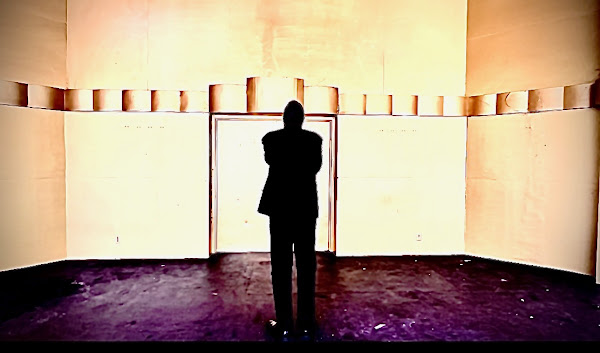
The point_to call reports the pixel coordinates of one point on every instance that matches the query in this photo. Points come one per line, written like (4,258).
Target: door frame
(215,118)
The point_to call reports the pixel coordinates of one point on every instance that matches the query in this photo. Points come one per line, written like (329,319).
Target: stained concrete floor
(228,298)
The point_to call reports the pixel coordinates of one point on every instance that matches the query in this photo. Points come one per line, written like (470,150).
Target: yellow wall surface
(401,185)
(33,41)
(32,187)
(598,251)
(515,45)
(137,185)
(382,46)
(532,188)
(527,200)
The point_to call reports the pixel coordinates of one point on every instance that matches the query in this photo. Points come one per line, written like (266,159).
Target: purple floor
(228,298)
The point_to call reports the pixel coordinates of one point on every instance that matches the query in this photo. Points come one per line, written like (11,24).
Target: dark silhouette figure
(289,198)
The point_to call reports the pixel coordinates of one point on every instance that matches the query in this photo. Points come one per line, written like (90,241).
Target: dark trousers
(298,232)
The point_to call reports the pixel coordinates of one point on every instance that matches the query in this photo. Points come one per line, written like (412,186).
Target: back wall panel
(381,46)
(32,187)
(401,185)
(532,188)
(33,41)
(515,45)
(137,185)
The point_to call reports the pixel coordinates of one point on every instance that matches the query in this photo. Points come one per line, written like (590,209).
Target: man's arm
(273,156)
(316,159)
(268,155)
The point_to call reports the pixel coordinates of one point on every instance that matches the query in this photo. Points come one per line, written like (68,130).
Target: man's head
(293,115)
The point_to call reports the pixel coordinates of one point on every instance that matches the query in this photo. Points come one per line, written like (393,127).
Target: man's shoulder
(272,135)
(313,136)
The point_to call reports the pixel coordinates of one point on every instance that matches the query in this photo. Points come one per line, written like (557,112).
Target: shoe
(286,336)
(277,332)
(307,335)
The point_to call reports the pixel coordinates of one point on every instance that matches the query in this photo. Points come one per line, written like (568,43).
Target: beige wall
(401,185)
(137,185)
(33,41)
(515,45)
(32,185)
(598,250)
(532,188)
(32,161)
(393,46)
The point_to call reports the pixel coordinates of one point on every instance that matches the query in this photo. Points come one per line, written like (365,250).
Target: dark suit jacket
(294,158)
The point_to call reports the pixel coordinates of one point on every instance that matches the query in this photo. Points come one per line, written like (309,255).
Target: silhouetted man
(289,198)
